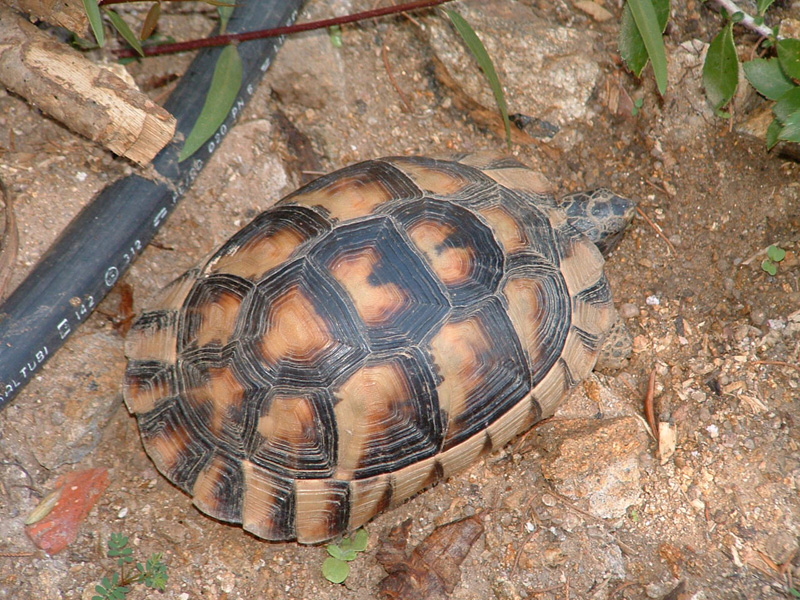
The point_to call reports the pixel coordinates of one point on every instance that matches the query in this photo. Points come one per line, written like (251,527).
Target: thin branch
(747,20)
(223,40)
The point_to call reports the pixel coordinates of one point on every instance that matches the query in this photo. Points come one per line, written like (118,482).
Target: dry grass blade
(9,241)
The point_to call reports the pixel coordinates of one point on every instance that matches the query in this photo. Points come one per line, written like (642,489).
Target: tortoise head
(600,215)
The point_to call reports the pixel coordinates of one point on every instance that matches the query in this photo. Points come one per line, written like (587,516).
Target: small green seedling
(774,256)
(153,574)
(637,106)
(335,33)
(336,567)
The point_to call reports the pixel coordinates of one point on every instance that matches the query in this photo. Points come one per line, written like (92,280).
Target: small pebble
(122,513)
(628,310)
(653,301)
(758,316)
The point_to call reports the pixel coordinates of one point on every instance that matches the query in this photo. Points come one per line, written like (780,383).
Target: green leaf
(117,541)
(789,57)
(776,253)
(225,11)
(339,553)
(335,34)
(151,21)
(125,31)
(791,128)
(95,20)
(721,69)
(763,5)
(631,44)
(334,570)
(787,105)
(225,86)
(335,551)
(767,77)
(478,50)
(644,14)
(360,539)
(769,266)
(773,131)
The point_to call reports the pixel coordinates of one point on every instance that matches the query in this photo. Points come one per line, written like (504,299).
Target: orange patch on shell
(453,265)
(319,509)
(526,308)
(506,228)
(347,197)
(259,255)
(290,422)
(263,500)
(205,493)
(218,319)
(521,178)
(169,447)
(430,179)
(376,304)
(295,330)
(457,350)
(222,391)
(371,400)
(143,394)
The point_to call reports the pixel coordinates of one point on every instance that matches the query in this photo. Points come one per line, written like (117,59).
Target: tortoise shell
(371,334)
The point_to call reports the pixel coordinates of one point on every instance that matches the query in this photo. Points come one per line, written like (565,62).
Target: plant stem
(223,40)
(747,21)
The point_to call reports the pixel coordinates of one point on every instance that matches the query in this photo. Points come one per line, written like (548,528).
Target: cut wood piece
(66,13)
(86,97)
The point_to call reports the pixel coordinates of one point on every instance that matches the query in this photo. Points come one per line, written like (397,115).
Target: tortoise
(371,334)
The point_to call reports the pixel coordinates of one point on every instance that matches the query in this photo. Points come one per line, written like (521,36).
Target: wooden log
(84,96)
(66,13)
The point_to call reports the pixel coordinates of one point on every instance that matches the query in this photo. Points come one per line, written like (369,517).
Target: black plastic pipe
(102,241)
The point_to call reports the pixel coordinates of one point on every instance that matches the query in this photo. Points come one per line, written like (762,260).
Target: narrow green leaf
(763,5)
(125,31)
(789,57)
(767,77)
(151,21)
(225,86)
(335,570)
(791,128)
(721,69)
(478,50)
(787,105)
(45,507)
(631,44)
(644,14)
(773,131)
(95,20)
